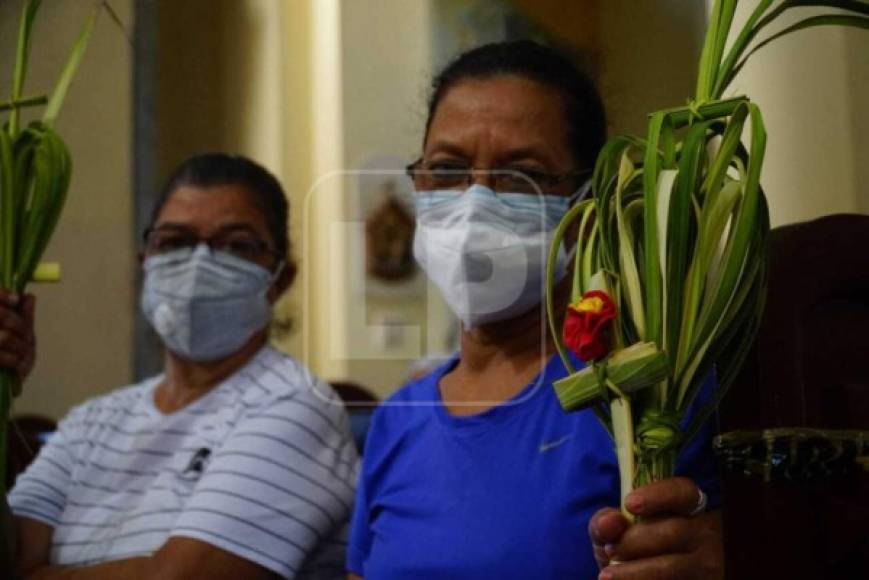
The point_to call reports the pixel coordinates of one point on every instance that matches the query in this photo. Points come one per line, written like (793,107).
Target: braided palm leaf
(676,234)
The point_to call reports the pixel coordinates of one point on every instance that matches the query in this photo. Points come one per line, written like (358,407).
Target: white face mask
(205,305)
(487,252)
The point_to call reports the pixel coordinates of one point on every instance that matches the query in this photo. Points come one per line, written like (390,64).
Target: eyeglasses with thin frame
(453,175)
(238,242)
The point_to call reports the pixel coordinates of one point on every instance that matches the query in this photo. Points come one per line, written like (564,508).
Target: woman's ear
(285,279)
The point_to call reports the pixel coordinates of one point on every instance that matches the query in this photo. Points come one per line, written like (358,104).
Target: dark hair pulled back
(216,169)
(583,108)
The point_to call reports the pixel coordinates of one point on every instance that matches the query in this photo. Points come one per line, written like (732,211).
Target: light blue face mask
(487,252)
(205,305)
(545,211)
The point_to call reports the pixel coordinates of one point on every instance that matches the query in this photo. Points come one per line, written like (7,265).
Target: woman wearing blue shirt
(475,472)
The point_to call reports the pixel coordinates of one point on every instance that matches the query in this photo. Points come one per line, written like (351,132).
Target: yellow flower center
(592,304)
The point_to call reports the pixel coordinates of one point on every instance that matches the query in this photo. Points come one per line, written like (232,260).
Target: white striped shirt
(262,466)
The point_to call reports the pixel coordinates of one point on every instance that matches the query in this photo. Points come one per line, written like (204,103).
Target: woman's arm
(178,559)
(17,341)
(34,543)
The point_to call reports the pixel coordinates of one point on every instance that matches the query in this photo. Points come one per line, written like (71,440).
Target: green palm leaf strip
(676,233)
(35,172)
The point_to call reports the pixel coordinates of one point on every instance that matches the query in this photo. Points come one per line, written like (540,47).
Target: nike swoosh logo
(552,444)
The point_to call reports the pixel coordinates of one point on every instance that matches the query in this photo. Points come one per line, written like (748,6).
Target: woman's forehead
(209,208)
(505,111)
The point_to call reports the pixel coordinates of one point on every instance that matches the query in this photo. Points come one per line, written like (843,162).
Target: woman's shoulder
(408,409)
(273,373)
(273,376)
(423,388)
(122,406)
(125,398)
(412,400)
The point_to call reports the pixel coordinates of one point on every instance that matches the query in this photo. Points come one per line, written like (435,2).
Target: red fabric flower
(586,329)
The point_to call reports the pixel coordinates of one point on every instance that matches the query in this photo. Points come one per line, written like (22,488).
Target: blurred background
(331,95)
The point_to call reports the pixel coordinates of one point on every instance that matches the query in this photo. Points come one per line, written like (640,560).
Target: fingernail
(609,550)
(634,503)
(605,575)
(14,298)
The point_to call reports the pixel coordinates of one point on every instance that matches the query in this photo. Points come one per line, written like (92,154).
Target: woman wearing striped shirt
(235,462)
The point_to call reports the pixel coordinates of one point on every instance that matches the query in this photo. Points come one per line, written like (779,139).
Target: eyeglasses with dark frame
(238,242)
(453,175)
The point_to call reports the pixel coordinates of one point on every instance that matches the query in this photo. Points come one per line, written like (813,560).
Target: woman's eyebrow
(447,147)
(224,228)
(233,226)
(539,153)
(174,226)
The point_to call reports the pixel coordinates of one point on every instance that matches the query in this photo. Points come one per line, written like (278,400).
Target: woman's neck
(186,381)
(499,359)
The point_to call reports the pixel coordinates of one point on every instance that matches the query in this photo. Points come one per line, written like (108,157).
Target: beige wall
(573,22)
(649,53)
(387,69)
(191,109)
(84,323)
(323,307)
(644,53)
(812,88)
(857,74)
(220,82)
(370,68)
(296,105)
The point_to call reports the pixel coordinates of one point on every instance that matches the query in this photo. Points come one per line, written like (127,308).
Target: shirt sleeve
(327,563)
(280,487)
(361,538)
(698,461)
(360,534)
(40,493)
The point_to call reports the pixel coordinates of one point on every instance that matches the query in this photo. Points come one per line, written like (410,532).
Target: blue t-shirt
(507,493)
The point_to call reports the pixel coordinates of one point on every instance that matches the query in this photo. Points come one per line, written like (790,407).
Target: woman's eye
(243,246)
(446,175)
(447,170)
(170,243)
(528,173)
(524,179)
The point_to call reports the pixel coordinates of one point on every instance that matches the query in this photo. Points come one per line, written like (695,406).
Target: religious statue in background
(389,238)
